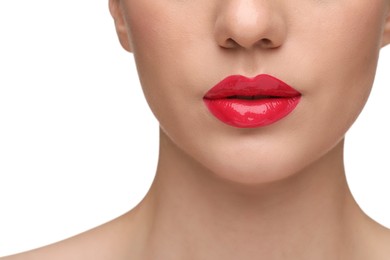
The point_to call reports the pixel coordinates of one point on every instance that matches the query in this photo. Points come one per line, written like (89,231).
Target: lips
(251,102)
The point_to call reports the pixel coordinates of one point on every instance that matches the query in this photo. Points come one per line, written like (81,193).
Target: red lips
(251,102)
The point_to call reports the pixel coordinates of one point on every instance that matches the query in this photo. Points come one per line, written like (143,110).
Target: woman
(253,99)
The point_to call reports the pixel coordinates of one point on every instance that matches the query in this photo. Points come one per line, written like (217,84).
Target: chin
(250,169)
(266,162)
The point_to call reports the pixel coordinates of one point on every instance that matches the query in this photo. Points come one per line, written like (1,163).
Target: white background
(78,144)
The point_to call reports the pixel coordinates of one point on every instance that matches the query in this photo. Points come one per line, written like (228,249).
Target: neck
(196,215)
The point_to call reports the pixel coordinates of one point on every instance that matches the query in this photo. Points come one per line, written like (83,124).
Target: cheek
(342,59)
(337,71)
(159,43)
(173,49)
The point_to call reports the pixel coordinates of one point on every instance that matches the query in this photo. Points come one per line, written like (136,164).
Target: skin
(277,192)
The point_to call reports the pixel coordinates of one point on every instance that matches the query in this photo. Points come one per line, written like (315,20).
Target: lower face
(327,51)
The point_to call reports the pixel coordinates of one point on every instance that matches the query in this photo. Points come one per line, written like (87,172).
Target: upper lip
(263,85)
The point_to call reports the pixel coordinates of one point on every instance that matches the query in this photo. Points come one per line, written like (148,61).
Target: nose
(250,23)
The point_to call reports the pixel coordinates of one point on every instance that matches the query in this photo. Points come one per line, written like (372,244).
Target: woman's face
(326,50)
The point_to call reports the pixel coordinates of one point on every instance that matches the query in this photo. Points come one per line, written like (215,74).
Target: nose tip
(249,24)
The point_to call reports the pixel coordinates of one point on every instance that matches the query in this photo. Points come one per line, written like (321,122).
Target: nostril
(230,43)
(265,43)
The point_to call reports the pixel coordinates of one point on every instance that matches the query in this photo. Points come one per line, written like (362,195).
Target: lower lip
(244,113)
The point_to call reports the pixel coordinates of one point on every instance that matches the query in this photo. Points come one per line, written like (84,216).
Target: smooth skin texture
(277,192)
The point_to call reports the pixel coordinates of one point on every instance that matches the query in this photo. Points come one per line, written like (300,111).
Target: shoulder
(108,241)
(383,241)
(376,242)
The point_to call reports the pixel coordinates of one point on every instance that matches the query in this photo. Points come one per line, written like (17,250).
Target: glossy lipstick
(251,102)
